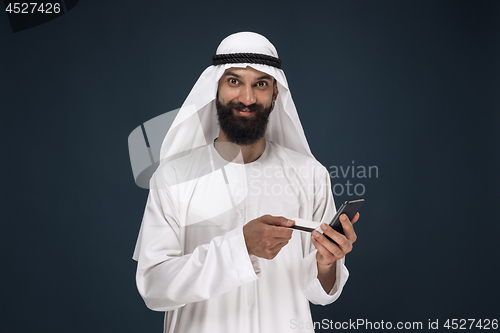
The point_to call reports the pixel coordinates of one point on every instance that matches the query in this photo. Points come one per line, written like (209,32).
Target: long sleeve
(166,277)
(324,210)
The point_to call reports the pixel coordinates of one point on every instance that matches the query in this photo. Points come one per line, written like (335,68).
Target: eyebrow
(263,77)
(232,74)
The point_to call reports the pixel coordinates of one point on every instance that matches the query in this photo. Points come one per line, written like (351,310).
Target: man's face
(244,103)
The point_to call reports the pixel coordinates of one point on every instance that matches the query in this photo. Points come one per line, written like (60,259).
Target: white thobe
(192,259)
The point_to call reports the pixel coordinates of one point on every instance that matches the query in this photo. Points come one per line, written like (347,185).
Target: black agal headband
(252,58)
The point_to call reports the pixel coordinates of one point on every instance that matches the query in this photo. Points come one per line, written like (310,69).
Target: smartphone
(350,208)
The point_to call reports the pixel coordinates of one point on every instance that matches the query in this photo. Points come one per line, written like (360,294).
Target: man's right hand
(266,235)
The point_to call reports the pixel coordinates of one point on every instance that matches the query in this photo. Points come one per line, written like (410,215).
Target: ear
(275,90)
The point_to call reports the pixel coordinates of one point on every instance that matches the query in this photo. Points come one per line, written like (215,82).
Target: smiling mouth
(245,112)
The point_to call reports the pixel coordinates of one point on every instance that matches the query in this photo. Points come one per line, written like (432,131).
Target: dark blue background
(409,86)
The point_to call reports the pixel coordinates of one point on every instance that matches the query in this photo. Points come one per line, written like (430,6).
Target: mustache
(240,106)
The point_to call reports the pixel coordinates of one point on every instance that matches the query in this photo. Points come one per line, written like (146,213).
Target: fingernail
(344,218)
(315,234)
(323,226)
(289,222)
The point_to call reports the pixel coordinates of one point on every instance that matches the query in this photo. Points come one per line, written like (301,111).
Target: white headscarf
(196,123)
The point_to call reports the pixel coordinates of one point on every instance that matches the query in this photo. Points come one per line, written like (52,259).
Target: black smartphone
(350,208)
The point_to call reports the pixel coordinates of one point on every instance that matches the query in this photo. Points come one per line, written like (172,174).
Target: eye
(262,84)
(232,80)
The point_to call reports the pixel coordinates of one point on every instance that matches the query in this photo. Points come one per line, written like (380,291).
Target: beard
(241,130)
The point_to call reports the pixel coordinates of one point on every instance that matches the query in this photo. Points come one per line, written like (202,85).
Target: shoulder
(295,159)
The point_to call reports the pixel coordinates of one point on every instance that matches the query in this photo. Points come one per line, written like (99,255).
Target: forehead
(246,73)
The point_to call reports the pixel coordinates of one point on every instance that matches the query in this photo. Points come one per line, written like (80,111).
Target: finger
(276,232)
(278,221)
(342,241)
(332,233)
(331,247)
(281,233)
(322,249)
(348,228)
(356,217)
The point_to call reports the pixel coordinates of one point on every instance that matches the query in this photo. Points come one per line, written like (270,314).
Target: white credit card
(306,225)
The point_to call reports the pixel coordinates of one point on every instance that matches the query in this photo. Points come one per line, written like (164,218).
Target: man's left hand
(329,252)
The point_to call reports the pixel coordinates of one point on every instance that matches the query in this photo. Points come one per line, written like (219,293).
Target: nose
(247,95)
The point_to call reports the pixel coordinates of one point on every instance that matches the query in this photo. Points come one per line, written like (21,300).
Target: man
(215,251)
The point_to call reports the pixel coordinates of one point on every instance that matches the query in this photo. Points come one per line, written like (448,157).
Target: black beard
(243,131)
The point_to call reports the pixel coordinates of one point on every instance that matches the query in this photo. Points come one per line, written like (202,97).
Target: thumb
(279,221)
